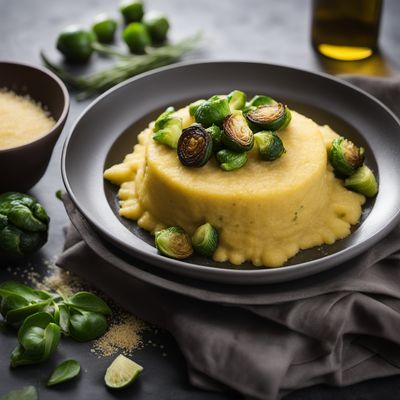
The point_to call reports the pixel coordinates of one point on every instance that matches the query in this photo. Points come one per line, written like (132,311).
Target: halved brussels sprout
(230,160)
(212,111)
(270,117)
(194,106)
(236,100)
(261,100)
(205,240)
(194,146)
(270,146)
(216,136)
(174,242)
(167,128)
(345,157)
(237,134)
(363,181)
(257,101)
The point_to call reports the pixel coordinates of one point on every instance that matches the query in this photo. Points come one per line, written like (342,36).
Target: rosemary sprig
(126,67)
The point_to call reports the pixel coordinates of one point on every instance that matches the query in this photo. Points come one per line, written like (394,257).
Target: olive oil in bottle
(346,29)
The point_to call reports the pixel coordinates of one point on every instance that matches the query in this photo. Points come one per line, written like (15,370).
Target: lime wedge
(122,372)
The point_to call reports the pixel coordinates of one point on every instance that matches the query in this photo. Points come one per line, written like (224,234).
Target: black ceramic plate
(107,131)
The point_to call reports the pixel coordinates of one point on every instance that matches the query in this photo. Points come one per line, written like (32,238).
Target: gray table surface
(258,30)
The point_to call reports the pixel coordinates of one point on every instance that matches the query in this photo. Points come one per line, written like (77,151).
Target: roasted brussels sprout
(157,25)
(236,100)
(132,11)
(194,146)
(270,117)
(168,128)
(212,111)
(174,242)
(216,136)
(76,44)
(261,100)
(23,224)
(270,146)
(230,160)
(205,240)
(345,157)
(194,106)
(237,134)
(104,28)
(136,37)
(363,181)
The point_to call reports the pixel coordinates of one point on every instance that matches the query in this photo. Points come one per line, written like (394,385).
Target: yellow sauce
(264,212)
(21,120)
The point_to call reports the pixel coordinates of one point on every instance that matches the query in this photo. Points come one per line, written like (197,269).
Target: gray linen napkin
(337,328)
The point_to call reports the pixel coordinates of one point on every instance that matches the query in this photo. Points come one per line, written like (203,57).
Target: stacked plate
(106,132)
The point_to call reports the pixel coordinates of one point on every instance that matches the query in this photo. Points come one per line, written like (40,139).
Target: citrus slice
(122,372)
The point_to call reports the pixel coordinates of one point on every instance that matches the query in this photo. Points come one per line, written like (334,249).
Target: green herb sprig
(126,67)
(42,317)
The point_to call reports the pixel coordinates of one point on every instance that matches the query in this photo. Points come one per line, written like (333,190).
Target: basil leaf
(64,372)
(84,326)
(38,339)
(63,319)
(52,336)
(11,302)
(89,302)
(26,393)
(17,316)
(15,288)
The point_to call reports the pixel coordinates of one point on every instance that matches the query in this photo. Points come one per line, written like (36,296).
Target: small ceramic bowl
(22,166)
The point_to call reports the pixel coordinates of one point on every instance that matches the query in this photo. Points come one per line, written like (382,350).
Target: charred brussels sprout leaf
(194,146)
(174,242)
(363,181)
(23,224)
(270,146)
(216,135)
(230,160)
(205,240)
(236,100)
(168,128)
(270,117)
(157,25)
(237,134)
(212,111)
(345,157)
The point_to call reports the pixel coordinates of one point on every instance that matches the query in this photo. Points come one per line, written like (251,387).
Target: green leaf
(86,326)
(52,336)
(26,393)
(63,320)
(12,302)
(64,372)
(89,302)
(17,316)
(15,288)
(38,339)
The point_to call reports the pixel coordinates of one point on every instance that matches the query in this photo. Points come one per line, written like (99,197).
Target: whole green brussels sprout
(23,224)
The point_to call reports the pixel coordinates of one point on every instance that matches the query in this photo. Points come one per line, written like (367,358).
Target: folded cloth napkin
(339,328)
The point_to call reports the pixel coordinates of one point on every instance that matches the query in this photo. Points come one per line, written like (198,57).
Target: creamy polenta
(264,212)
